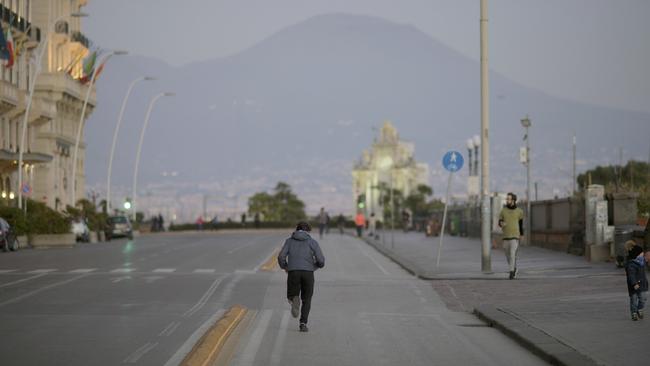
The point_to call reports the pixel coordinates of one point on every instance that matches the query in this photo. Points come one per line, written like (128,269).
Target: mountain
(302,104)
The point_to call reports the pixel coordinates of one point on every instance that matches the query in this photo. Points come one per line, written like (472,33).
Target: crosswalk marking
(7,270)
(83,270)
(45,270)
(123,270)
(204,270)
(164,270)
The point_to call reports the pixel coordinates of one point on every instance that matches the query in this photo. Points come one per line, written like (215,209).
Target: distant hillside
(310,95)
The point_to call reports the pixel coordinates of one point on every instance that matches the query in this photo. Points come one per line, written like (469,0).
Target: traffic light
(361,201)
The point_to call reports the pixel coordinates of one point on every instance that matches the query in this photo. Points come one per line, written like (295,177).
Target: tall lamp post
(486,226)
(117,128)
(137,157)
(387,163)
(526,124)
(104,59)
(39,59)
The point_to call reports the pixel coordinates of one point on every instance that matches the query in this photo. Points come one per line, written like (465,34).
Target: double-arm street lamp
(32,85)
(117,129)
(104,59)
(137,157)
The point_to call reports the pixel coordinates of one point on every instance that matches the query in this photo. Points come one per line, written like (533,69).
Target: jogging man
(304,257)
(511,221)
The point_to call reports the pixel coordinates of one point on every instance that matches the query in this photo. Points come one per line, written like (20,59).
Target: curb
(211,343)
(542,344)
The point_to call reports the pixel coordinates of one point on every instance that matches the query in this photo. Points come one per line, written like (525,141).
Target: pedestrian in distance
(511,221)
(637,282)
(372,225)
(322,222)
(360,222)
(341,223)
(300,256)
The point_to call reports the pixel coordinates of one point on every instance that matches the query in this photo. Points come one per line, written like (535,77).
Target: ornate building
(56,106)
(389,162)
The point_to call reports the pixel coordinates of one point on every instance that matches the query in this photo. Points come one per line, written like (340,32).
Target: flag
(10,49)
(75,60)
(99,70)
(89,64)
(4,51)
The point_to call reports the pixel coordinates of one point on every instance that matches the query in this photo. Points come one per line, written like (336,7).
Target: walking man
(323,221)
(511,221)
(304,257)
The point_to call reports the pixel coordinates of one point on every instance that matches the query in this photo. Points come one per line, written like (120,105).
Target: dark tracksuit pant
(301,283)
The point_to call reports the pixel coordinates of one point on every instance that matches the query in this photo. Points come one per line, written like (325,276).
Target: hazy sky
(595,51)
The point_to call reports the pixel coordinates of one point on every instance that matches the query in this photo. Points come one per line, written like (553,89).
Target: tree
(417,201)
(282,206)
(634,176)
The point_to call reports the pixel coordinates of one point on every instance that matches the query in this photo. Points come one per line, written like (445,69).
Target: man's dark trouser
(301,283)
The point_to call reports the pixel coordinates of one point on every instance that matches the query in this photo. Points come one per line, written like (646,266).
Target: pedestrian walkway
(567,310)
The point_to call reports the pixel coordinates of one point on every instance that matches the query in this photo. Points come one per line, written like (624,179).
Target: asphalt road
(147,301)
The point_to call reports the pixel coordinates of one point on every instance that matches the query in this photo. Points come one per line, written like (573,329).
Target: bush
(44,220)
(40,219)
(16,218)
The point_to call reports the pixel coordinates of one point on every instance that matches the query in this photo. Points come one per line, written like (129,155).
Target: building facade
(55,112)
(389,162)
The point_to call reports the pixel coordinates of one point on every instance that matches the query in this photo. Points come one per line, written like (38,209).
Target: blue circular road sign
(453,161)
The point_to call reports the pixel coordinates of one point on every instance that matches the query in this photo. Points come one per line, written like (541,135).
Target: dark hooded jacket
(303,253)
(635,276)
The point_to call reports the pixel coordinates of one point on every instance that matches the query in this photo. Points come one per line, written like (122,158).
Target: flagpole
(37,70)
(81,121)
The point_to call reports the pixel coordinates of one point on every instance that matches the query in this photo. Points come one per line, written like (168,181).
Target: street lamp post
(39,58)
(526,124)
(137,157)
(117,128)
(81,122)
(486,259)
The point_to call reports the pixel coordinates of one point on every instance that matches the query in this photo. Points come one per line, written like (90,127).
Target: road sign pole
(444,220)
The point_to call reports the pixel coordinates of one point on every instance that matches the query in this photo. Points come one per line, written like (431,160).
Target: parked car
(119,226)
(8,239)
(81,231)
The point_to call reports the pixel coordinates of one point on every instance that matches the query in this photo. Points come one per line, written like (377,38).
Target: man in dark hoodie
(637,282)
(305,257)
(511,221)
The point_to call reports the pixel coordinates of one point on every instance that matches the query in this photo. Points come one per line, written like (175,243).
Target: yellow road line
(271,264)
(208,347)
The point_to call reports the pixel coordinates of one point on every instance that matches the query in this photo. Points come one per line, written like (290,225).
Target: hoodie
(303,252)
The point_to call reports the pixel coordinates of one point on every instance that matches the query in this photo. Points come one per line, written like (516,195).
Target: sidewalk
(563,308)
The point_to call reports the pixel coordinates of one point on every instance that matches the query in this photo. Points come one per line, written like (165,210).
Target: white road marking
(203,270)
(123,270)
(46,270)
(135,356)
(164,270)
(7,270)
(204,298)
(56,284)
(248,355)
(23,280)
(83,270)
(120,279)
(371,258)
(151,279)
(169,329)
(279,340)
(178,357)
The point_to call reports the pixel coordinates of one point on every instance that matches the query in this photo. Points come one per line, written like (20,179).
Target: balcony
(62,83)
(9,97)
(42,111)
(20,24)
